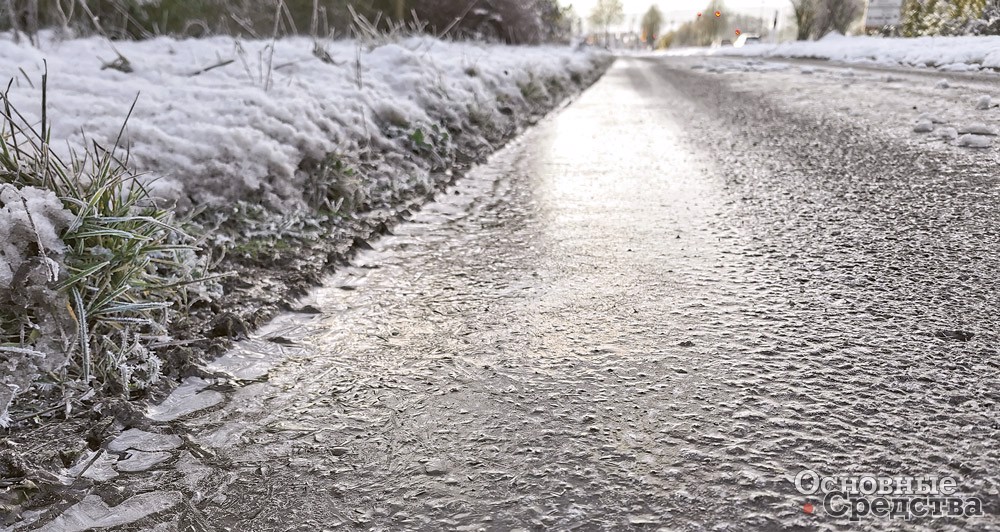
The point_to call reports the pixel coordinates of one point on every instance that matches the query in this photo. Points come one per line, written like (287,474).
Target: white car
(745,39)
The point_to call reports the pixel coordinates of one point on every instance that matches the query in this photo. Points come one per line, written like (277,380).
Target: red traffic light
(718,14)
(699,15)
(738,32)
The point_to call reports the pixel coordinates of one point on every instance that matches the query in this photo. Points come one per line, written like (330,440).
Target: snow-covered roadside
(945,53)
(244,129)
(285,153)
(949,113)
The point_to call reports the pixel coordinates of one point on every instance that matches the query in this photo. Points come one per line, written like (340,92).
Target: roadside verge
(262,180)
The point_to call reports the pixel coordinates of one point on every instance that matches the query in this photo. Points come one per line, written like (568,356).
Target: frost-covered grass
(262,146)
(948,53)
(89,266)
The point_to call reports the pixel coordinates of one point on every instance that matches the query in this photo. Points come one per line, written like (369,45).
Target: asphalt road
(650,312)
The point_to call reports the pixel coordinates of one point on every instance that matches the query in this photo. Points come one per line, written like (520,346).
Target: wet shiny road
(650,312)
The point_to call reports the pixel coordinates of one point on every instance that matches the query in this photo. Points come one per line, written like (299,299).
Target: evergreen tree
(910,20)
(988,22)
(651,23)
(946,17)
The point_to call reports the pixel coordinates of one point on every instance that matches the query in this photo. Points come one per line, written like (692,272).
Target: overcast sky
(683,10)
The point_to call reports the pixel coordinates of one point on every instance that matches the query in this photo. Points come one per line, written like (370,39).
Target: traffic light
(738,32)
(699,15)
(718,14)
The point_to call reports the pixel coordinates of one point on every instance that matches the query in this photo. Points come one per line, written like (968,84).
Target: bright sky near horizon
(682,10)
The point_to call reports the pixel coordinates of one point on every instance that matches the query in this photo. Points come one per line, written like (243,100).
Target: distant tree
(558,21)
(843,13)
(716,26)
(963,17)
(949,17)
(605,14)
(804,13)
(909,25)
(816,18)
(932,17)
(988,22)
(651,23)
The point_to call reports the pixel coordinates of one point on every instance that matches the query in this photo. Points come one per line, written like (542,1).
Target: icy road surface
(651,312)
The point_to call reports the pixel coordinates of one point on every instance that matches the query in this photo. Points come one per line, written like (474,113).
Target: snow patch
(242,131)
(29,218)
(975,141)
(978,128)
(947,133)
(955,54)
(927,117)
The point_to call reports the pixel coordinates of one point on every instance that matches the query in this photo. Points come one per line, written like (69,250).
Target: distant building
(883,13)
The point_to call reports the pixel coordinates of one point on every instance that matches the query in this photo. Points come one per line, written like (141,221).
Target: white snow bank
(947,53)
(237,132)
(30,219)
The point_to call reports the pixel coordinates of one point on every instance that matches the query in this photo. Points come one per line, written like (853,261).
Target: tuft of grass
(433,144)
(333,186)
(126,258)
(533,90)
(379,32)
